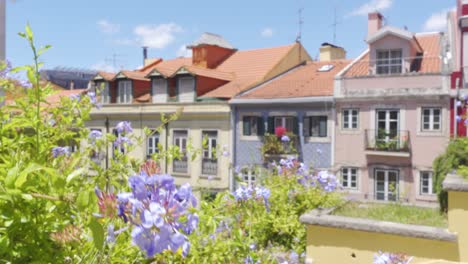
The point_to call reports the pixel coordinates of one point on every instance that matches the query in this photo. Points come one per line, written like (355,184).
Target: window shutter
(271,124)
(260,126)
(295,126)
(246,125)
(306,127)
(323,126)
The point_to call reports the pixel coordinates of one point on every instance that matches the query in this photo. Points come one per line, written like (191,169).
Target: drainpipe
(300,117)
(332,161)
(166,128)
(107,147)
(233,146)
(455,109)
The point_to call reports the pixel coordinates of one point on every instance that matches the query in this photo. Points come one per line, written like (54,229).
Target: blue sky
(89,34)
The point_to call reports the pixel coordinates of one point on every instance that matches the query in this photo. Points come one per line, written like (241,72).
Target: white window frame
(124,88)
(253,120)
(105,93)
(431,121)
(152,147)
(284,121)
(430,182)
(389,62)
(348,114)
(181,139)
(387,190)
(249,175)
(347,174)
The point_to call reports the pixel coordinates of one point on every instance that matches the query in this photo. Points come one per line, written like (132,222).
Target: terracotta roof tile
(303,81)
(108,76)
(215,74)
(429,42)
(134,75)
(249,67)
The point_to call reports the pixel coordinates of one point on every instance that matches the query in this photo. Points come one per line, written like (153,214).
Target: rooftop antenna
(300,22)
(114,60)
(335,25)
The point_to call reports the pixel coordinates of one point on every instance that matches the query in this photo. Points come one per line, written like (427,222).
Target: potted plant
(280,145)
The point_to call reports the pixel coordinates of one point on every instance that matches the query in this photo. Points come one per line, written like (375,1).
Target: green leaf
(43,49)
(29,33)
(82,200)
(11,177)
(75,173)
(98,233)
(21,34)
(33,167)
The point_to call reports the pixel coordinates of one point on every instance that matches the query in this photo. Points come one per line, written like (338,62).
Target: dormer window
(389,61)
(104,92)
(186,89)
(125,94)
(159,90)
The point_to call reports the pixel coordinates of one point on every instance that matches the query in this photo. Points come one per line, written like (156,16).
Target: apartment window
(152,143)
(287,122)
(315,126)
(96,154)
(349,177)
(104,92)
(209,161)
(389,61)
(426,182)
(180,140)
(252,126)
(350,118)
(431,119)
(249,176)
(117,148)
(125,95)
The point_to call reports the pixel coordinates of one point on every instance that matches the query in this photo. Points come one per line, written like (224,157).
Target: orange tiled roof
(215,74)
(304,81)
(108,76)
(134,75)
(249,67)
(429,42)
(55,98)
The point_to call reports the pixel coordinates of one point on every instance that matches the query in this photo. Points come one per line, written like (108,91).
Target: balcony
(180,166)
(395,66)
(383,143)
(209,167)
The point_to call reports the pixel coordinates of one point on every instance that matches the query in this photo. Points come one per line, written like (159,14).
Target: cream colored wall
(194,118)
(327,245)
(458,220)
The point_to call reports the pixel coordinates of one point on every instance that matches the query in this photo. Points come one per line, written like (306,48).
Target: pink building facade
(392,121)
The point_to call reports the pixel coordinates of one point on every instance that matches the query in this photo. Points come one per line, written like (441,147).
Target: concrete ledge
(455,183)
(322,218)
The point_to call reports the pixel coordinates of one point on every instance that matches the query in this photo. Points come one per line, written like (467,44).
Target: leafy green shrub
(455,156)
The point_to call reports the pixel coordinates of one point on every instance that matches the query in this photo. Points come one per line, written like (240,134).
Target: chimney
(374,23)
(72,85)
(145,54)
(329,52)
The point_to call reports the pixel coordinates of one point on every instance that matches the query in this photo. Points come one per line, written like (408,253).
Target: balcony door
(386,185)
(388,124)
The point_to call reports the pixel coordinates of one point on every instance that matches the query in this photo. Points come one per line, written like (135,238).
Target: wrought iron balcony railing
(389,141)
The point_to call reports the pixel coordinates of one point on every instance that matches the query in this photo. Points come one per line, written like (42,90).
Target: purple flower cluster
(159,213)
(5,69)
(285,138)
(93,100)
(291,167)
(124,127)
(120,141)
(391,258)
(246,193)
(94,135)
(60,151)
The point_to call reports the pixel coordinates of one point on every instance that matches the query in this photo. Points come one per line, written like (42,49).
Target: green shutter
(260,126)
(271,124)
(295,126)
(323,126)
(246,126)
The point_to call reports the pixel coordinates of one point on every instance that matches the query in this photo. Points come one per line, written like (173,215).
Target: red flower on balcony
(280,131)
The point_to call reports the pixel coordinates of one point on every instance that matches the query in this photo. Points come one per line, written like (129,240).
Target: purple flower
(285,138)
(110,234)
(60,151)
(25,83)
(137,183)
(243,193)
(458,118)
(75,97)
(120,141)
(237,169)
(124,127)
(226,153)
(95,134)
(144,239)
(154,216)
(5,68)
(459,103)
(466,122)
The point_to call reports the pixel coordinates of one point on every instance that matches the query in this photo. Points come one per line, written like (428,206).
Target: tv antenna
(115,60)
(300,22)
(335,25)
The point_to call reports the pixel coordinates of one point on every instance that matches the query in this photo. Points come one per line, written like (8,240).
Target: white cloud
(156,36)
(437,21)
(372,6)
(267,32)
(102,66)
(108,27)
(184,52)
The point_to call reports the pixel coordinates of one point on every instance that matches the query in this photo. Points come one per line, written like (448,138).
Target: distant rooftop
(65,76)
(212,39)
